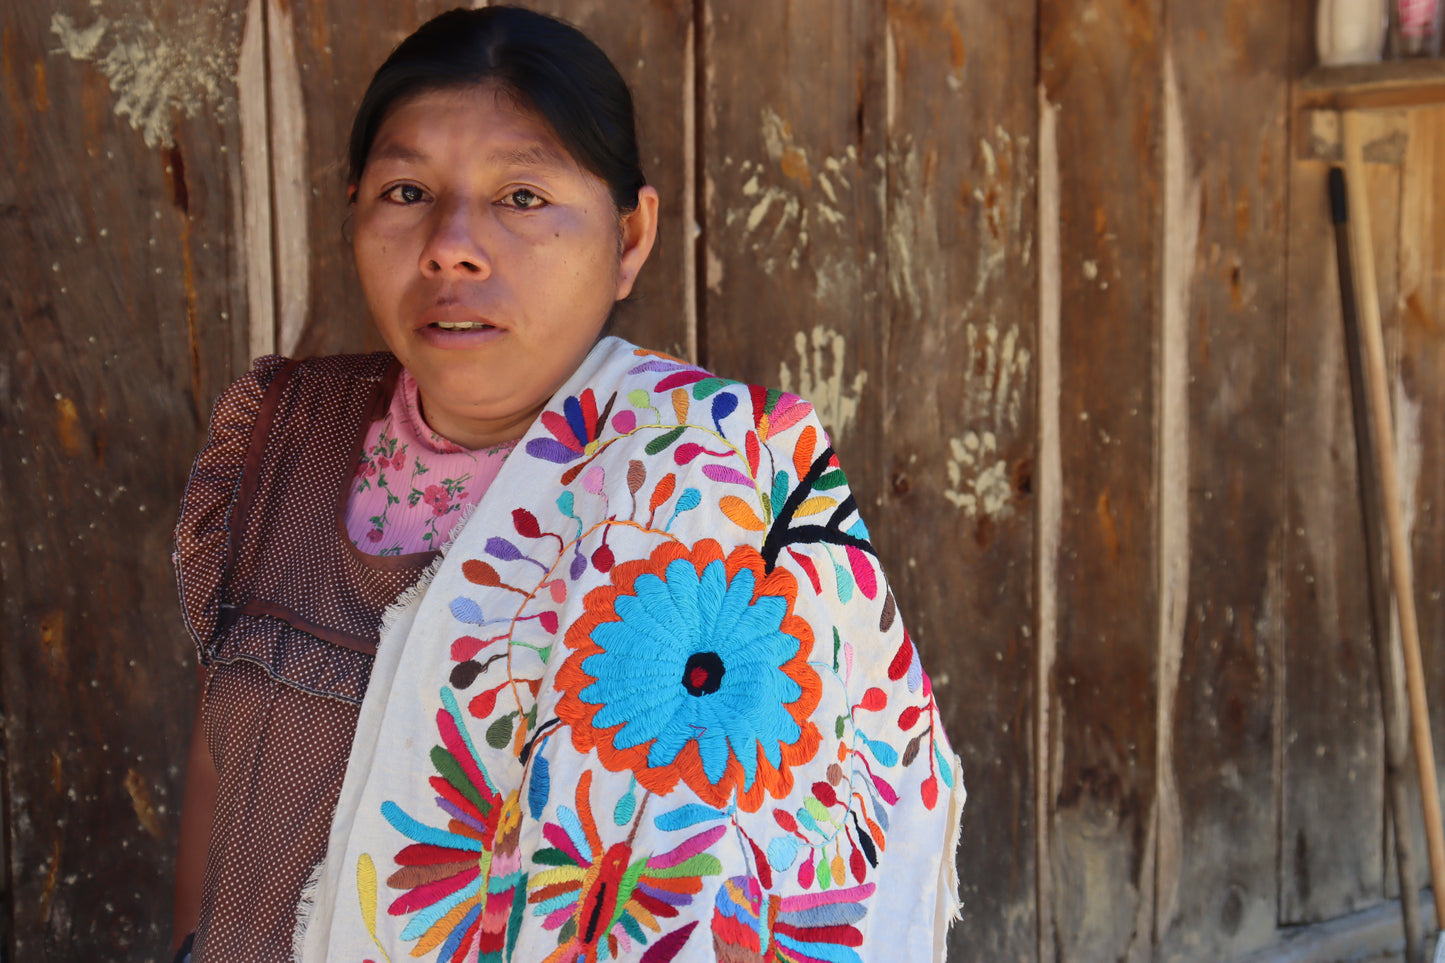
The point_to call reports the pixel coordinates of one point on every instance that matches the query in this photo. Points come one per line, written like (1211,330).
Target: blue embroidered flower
(692,666)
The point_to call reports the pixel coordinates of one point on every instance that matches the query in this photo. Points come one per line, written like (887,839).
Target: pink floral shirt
(411,483)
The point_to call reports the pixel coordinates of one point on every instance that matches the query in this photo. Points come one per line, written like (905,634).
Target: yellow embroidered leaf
(740,512)
(814,505)
(803,454)
(839,869)
(679,404)
(561,874)
(366,891)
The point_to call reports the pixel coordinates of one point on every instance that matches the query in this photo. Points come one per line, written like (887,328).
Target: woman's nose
(455,247)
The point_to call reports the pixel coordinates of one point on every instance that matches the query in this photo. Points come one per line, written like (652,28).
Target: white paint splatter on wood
(253,191)
(978,478)
(1182,212)
(822,378)
(154,72)
(290,186)
(1050,488)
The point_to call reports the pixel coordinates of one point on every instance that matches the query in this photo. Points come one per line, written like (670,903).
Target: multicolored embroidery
(602,900)
(730,655)
(464,884)
(691,666)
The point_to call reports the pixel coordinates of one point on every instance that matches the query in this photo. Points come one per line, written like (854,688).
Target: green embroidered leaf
(837,644)
(708,387)
(831,479)
(499,733)
(767,506)
(703,864)
(633,929)
(639,398)
(626,806)
(781,483)
(551,856)
(818,811)
(450,770)
(664,440)
(842,723)
(625,886)
(568,931)
(825,872)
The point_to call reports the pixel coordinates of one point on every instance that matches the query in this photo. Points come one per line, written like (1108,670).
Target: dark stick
(1376,562)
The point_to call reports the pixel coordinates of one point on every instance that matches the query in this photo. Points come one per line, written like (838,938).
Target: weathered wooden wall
(1059,276)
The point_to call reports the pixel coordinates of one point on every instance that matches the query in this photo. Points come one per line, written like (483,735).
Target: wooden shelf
(1392,83)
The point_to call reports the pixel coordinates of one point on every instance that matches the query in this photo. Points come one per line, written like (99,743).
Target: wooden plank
(1417,340)
(957,506)
(319,68)
(1332,795)
(793,161)
(1393,83)
(121,308)
(1221,485)
(1101,68)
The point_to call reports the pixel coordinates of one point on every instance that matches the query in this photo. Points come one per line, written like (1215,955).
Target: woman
(653,703)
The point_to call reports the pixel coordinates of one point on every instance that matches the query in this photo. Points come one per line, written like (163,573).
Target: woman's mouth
(460,325)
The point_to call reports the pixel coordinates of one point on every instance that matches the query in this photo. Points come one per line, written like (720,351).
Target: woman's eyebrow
(530,155)
(394,151)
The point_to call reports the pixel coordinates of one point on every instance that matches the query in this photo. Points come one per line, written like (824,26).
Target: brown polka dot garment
(285,609)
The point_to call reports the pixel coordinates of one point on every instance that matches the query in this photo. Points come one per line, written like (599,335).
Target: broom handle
(1373,341)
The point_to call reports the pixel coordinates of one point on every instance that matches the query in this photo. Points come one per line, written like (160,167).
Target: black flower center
(703,673)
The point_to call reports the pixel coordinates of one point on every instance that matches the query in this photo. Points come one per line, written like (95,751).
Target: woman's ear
(639,231)
(351,194)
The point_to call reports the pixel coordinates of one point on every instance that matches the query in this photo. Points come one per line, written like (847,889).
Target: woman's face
(490,260)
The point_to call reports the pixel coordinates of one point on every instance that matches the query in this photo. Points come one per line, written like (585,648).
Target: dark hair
(546,64)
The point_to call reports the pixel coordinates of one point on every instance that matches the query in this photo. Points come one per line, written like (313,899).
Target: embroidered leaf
(482,705)
(899,666)
(540,786)
(767,506)
(680,379)
(685,453)
(708,387)
(740,512)
(806,564)
(526,523)
(929,791)
(814,505)
(501,548)
(663,441)
(844,582)
(841,726)
(666,948)
(761,867)
(685,816)
(750,446)
(839,869)
(873,700)
(803,453)
(578,566)
(722,406)
(832,479)
(663,491)
(908,718)
(824,794)
(825,872)
(463,674)
(366,892)
(910,751)
(890,796)
(791,410)
(859,870)
(882,751)
(890,611)
(805,874)
(782,850)
(679,405)
(595,478)
(466,647)
(550,449)
(480,573)
(626,806)
(862,571)
(781,484)
(945,769)
(602,559)
(548,621)
(727,475)
(624,422)
(636,475)
(465,610)
(639,398)
(687,501)
(499,733)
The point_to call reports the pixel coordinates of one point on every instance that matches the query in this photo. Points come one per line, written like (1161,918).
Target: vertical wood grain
(1221,622)
(957,509)
(1102,68)
(1332,793)
(123,307)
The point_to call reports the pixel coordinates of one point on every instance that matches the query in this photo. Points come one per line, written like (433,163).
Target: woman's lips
(459,333)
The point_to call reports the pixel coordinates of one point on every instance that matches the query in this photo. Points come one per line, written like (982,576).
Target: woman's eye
(523,199)
(405,194)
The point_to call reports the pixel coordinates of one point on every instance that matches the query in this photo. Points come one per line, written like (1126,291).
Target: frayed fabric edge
(408,598)
(305,906)
(949,909)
